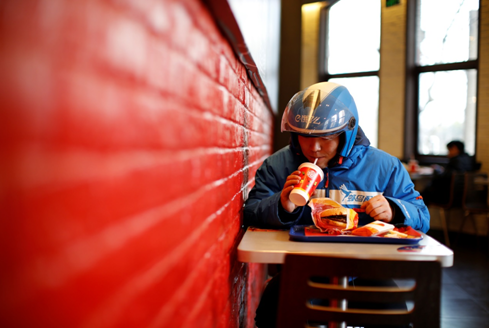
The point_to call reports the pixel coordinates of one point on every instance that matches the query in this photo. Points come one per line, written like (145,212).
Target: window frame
(323,74)
(413,71)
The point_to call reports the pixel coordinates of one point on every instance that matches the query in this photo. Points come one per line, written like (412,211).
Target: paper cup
(311,175)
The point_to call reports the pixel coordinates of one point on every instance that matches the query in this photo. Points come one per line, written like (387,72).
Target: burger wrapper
(318,205)
(373,229)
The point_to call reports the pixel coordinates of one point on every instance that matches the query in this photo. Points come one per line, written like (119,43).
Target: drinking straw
(315,161)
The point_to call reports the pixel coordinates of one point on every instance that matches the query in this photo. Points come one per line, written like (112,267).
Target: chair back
(304,297)
(477,166)
(449,191)
(456,190)
(475,191)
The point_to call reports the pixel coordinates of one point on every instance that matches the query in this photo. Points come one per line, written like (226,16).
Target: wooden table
(270,246)
(422,177)
(481,181)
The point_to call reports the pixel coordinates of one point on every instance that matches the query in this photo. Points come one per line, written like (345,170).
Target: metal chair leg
(444,226)
(475,230)
(467,214)
(487,217)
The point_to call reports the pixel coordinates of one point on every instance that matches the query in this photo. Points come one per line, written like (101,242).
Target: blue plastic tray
(297,233)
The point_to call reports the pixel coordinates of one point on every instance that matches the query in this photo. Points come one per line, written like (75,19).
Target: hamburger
(337,220)
(332,218)
(337,217)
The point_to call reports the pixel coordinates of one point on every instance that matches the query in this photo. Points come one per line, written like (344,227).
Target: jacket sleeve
(409,203)
(263,208)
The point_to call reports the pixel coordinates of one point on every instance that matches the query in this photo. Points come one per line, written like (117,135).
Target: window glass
(365,91)
(447,108)
(447,31)
(348,47)
(352,50)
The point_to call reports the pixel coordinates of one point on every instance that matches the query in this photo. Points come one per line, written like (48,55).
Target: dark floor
(465,285)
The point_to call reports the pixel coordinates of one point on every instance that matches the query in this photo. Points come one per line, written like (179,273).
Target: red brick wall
(129,134)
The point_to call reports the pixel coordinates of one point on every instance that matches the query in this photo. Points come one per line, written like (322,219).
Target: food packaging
(373,229)
(408,231)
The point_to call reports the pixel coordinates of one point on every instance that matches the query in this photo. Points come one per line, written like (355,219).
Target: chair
(475,198)
(299,286)
(455,201)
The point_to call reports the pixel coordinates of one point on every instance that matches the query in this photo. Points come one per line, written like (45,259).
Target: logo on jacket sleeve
(351,197)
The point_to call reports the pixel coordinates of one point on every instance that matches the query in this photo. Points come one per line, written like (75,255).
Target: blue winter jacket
(365,173)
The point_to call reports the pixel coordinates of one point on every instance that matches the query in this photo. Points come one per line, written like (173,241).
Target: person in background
(324,125)
(458,162)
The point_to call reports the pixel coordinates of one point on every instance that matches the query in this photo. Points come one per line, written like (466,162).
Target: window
(351,56)
(443,70)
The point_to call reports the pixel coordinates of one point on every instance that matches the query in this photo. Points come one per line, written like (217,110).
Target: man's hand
(293,179)
(378,208)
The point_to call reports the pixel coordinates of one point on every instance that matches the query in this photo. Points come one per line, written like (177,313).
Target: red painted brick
(128,127)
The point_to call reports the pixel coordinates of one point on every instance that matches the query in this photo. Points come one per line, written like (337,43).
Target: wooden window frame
(412,86)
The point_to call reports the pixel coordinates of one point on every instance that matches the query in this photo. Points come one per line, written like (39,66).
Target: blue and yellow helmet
(321,110)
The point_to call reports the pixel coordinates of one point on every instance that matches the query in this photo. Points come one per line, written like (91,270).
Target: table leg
(342,304)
